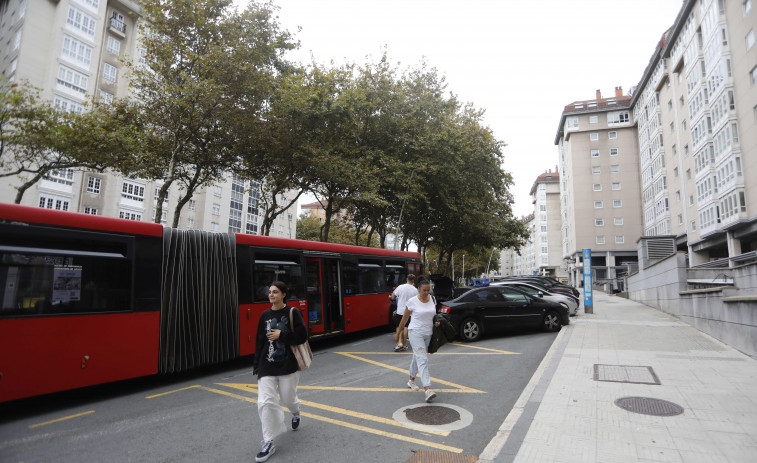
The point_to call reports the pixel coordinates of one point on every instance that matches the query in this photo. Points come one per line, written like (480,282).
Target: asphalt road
(356,407)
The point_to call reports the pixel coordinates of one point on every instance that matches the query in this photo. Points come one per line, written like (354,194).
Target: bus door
(325,308)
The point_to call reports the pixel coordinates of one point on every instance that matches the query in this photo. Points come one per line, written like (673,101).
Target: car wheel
(552,321)
(470,330)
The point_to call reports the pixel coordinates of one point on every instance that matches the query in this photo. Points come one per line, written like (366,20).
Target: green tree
(208,77)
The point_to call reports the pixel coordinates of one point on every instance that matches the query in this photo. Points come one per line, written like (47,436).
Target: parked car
(491,308)
(549,282)
(536,290)
(444,289)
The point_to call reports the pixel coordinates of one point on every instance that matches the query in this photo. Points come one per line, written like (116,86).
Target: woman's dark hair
(282,287)
(422,281)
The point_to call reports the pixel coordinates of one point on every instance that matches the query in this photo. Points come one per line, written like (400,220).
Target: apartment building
(72,50)
(524,260)
(599,185)
(545,196)
(696,110)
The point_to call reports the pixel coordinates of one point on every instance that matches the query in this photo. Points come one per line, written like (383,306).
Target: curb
(495,446)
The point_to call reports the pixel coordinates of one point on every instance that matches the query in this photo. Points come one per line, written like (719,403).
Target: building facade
(72,50)
(599,185)
(545,196)
(696,110)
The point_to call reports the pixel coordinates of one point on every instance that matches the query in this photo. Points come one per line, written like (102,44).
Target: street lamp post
(464,282)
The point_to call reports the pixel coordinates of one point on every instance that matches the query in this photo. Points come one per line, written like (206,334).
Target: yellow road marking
(171,392)
(61,419)
(348,425)
(404,370)
(341,411)
(496,351)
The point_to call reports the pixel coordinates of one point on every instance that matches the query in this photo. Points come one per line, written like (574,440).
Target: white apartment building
(524,261)
(72,51)
(599,186)
(696,110)
(545,196)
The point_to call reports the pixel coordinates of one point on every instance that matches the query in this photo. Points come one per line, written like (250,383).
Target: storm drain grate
(432,456)
(432,415)
(649,406)
(625,374)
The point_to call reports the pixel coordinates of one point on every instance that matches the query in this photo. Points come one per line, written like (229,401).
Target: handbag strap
(291,321)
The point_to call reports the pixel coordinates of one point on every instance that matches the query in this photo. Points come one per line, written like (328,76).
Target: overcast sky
(520,60)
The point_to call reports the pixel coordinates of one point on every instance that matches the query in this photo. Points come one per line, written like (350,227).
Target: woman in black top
(276,367)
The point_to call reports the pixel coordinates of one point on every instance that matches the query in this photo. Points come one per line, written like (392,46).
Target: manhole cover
(649,406)
(432,415)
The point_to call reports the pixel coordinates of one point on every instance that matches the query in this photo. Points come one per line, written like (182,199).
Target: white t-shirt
(421,315)
(403,294)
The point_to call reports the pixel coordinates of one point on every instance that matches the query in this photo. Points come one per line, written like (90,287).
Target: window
(688,174)
(613,151)
(76,51)
(753,75)
(571,123)
(133,191)
(746,5)
(217,190)
(214,227)
(93,185)
(81,22)
(90,210)
(593,119)
(68,79)
(615,168)
(128,215)
(597,187)
(594,136)
(62,176)
(685,150)
(680,219)
(595,153)
(596,170)
(691,200)
(672,127)
(693,225)
(612,135)
(192,204)
(67,105)
(750,39)
(678,195)
(578,106)
(190,224)
(216,209)
(670,104)
(599,222)
(675,172)
(617,203)
(110,73)
(105,97)
(616,185)
(619,239)
(597,204)
(600,239)
(53,202)
(114,45)
(618,221)
(619,117)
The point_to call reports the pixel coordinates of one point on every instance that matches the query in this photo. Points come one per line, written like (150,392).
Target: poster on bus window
(66,284)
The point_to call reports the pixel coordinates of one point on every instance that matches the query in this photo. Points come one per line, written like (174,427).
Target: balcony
(118,27)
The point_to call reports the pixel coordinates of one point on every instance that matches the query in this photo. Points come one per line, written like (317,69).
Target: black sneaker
(267,450)
(295,422)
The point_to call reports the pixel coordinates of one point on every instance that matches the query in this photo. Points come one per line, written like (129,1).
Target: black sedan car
(493,308)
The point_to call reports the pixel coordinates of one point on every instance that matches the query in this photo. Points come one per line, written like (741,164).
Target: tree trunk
(22,189)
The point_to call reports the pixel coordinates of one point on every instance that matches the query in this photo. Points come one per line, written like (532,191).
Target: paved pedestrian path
(568,412)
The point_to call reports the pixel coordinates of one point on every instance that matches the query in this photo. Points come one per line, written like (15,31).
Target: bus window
(371,277)
(35,281)
(396,274)
(350,274)
(268,268)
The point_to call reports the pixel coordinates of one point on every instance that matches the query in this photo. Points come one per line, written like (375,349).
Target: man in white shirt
(402,293)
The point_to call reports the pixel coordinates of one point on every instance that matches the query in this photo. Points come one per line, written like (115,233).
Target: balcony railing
(118,25)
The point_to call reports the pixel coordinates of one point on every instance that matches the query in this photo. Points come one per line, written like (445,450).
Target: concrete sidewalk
(568,412)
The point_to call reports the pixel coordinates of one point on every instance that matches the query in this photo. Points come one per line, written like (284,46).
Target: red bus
(89,300)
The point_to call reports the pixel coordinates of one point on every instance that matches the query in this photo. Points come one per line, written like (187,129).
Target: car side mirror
(541,294)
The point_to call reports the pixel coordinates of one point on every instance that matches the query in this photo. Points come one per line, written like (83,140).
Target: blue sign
(588,299)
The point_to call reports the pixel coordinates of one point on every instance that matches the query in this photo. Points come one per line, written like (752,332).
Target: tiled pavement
(568,411)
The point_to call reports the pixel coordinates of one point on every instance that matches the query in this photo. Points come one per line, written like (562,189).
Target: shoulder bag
(302,352)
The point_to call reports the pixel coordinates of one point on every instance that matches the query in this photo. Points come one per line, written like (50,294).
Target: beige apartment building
(72,50)
(599,186)
(696,110)
(545,196)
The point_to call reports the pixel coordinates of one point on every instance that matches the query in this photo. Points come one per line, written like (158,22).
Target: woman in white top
(422,308)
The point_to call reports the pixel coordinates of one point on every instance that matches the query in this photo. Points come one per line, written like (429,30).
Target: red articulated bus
(88,300)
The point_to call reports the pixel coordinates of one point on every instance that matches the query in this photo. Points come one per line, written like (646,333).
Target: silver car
(534,290)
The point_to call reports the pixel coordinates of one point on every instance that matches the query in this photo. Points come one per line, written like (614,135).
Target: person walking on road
(276,367)
(423,309)
(402,294)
